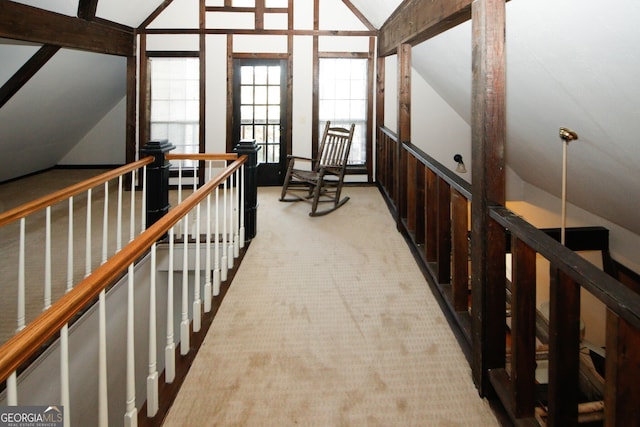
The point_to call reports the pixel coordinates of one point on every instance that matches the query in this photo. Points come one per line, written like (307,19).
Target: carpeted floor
(329,322)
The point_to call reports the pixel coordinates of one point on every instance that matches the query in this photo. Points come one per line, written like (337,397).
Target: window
(343,100)
(175,102)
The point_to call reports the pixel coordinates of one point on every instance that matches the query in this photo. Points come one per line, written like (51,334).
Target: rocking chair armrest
(292,157)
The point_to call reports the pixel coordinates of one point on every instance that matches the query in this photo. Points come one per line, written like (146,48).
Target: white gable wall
(216,57)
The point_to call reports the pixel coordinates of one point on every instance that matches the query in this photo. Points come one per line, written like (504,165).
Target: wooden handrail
(462,186)
(619,298)
(388,132)
(25,343)
(58,196)
(201,156)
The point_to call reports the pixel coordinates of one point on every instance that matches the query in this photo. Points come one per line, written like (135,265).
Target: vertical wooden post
(202,114)
(380,160)
(420,204)
(370,133)
(431,216)
(460,252)
(488,145)
(411,184)
(444,231)
(564,342)
(144,101)
(130,137)
(622,393)
(404,126)
(523,328)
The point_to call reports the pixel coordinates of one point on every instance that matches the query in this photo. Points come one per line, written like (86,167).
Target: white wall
(216,87)
(302,119)
(105,143)
(391,93)
(436,127)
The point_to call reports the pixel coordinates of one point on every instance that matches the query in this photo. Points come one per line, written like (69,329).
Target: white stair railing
(77,297)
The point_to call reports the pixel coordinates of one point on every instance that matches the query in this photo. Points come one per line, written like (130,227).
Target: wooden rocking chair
(322,182)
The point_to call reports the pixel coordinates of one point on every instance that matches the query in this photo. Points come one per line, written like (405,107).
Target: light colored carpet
(329,322)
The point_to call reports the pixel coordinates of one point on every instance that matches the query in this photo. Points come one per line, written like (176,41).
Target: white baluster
(236,229)
(87,251)
(105,224)
(241,187)
(207,264)
(224,263)
(131,414)
(119,218)
(230,258)
(182,224)
(132,211)
(103,396)
(152,378)
(64,374)
(70,256)
(47,260)
(143,209)
(197,302)
(170,348)
(184,324)
(21,276)
(12,390)
(216,248)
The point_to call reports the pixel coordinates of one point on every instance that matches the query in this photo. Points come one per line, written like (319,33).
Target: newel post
(157,179)
(250,148)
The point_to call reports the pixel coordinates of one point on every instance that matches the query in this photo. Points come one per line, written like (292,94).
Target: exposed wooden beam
(253,32)
(28,70)
(21,22)
(87,9)
(418,20)
(130,132)
(404,127)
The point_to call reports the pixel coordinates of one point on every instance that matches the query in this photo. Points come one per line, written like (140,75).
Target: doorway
(259,112)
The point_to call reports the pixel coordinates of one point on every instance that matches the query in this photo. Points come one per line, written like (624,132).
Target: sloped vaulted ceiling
(570,63)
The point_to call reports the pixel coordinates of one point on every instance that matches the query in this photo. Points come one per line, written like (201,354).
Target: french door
(259,112)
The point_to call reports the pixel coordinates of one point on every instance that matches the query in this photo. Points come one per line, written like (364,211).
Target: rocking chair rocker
(322,182)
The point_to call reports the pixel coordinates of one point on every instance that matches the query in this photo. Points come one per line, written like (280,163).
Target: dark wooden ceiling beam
(21,22)
(24,74)
(87,9)
(418,20)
